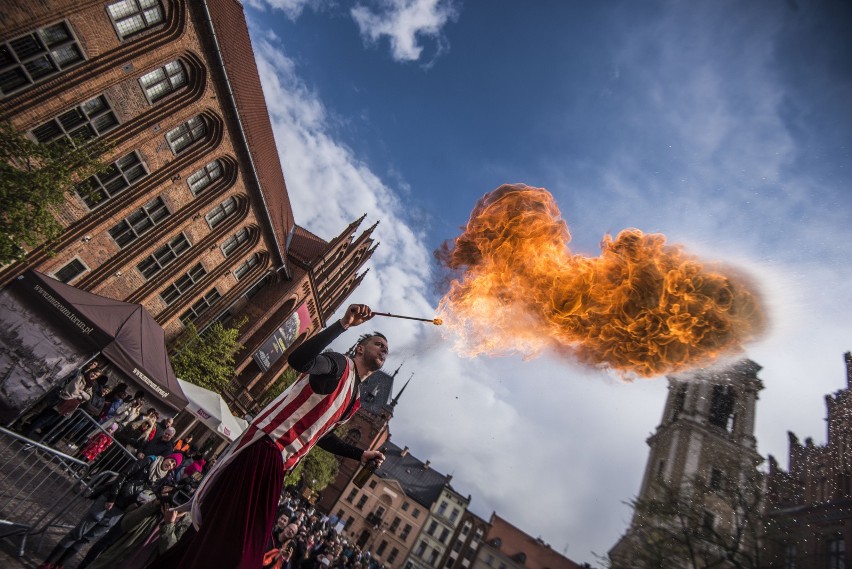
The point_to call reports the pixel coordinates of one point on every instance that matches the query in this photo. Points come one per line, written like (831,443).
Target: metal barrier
(42,487)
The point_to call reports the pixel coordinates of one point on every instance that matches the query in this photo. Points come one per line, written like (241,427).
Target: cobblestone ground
(40,493)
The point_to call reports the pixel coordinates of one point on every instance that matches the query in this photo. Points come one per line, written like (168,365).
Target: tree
(33,181)
(316,471)
(694,526)
(208,359)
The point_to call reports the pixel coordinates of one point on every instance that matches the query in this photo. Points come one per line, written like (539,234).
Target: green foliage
(316,471)
(284,381)
(33,180)
(208,359)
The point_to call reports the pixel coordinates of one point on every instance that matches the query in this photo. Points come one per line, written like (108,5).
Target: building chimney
(426,464)
(848,357)
(404,452)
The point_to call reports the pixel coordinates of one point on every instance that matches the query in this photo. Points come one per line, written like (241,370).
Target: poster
(276,345)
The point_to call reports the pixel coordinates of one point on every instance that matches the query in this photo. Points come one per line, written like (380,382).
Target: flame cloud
(643,307)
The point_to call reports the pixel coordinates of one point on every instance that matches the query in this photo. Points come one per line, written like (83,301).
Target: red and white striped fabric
(295,421)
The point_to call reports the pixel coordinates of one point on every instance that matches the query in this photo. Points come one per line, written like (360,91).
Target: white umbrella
(212,410)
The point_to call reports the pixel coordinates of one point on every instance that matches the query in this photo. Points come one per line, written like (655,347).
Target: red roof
(306,247)
(235,46)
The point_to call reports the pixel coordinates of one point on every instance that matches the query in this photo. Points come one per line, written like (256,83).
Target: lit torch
(643,307)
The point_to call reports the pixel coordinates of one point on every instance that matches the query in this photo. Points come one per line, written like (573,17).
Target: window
(454,514)
(392,557)
(421,549)
(715,479)
(709,520)
(339,514)
(361,501)
(233,243)
(394,524)
(349,521)
(116,178)
(382,546)
(405,506)
(468,554)
(405,531)
(162,81)
(201,306)
(133,16)
(522,557)
(415,513)
(450,561)
(442,509)
(139,222)
(70,271)
(444,534)
(432,527)
(790,556)
(433,557)
(458,545)
(372,484)
(218,214)
(28,59)
(835,549)
(465,528)
(679,401)
(352,495)
(184,284)
(722,406)
(154,263)
(179,138)
(202,178)
(90,120)
(259,286)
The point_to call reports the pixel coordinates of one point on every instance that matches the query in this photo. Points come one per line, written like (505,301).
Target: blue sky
(724,125)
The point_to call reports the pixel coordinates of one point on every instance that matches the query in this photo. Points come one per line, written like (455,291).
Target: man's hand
(376,455)
(356,314)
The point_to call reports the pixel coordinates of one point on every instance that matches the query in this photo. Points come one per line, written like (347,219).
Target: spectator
(161,446)
(146,475)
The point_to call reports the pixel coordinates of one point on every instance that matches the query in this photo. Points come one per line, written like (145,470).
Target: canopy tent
(126,334)
(212,410)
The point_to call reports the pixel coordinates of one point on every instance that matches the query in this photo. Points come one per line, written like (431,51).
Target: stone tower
(702,451)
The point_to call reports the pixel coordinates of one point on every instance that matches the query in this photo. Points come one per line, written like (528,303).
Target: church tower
(702,452)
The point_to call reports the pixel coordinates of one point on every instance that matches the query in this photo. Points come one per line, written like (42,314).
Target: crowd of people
(168,508)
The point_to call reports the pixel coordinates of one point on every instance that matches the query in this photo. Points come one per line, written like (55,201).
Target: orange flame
(642,307)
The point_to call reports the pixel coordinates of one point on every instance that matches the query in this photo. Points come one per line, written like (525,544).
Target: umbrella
(212,410)
(126,334)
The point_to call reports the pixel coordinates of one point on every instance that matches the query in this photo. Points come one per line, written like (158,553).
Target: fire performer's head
(370,353)
(643,307)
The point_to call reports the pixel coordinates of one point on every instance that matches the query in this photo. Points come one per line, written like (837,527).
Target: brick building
(507,547)
(192,218)
(809,506)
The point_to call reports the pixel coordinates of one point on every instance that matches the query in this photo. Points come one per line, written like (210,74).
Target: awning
(212,410)
(126,334)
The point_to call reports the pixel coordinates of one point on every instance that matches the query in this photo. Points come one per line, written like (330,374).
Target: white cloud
(405,23)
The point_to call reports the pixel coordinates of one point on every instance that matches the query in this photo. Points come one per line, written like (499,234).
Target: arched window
(131,17)
(163,80)
(181,137)
(205,176)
